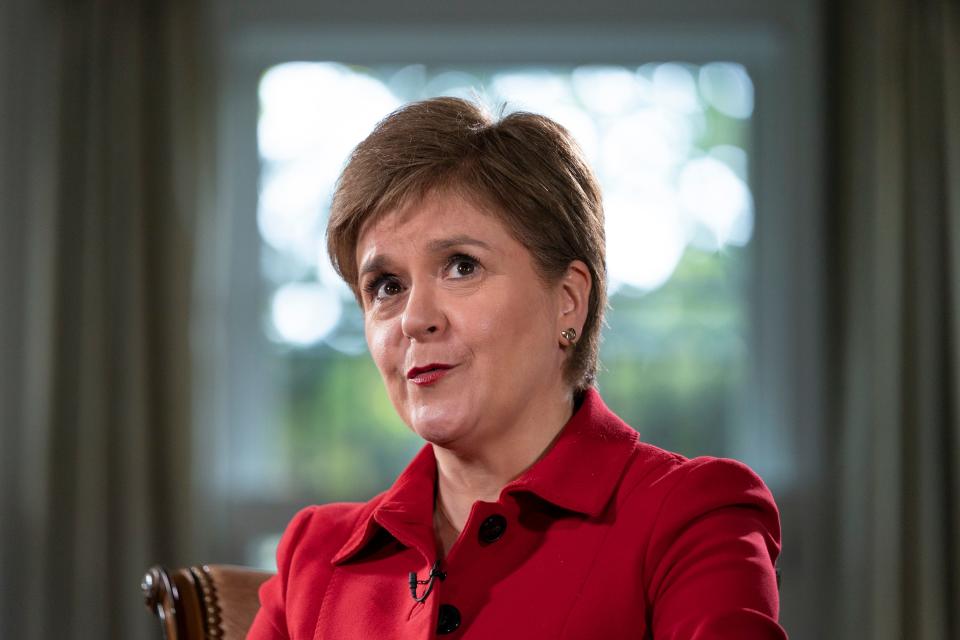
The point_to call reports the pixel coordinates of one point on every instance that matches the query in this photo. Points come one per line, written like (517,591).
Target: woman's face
(462,329)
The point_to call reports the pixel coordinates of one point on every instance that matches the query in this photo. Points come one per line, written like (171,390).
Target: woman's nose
(422,316)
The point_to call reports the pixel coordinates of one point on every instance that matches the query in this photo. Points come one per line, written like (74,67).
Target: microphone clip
(414,583)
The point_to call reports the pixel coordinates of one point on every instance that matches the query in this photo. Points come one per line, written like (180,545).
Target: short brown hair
(526,166)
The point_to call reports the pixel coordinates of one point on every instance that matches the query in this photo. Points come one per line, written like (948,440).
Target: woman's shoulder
(652,474)
(660,471)
(311,539)
(708,530)
(669,489)
(319,531)
(332,514)
(329,516)
(670,493)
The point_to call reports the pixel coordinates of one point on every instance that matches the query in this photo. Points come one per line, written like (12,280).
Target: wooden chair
(204,602)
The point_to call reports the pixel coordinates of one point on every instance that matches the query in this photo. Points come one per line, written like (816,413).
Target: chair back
(204,602)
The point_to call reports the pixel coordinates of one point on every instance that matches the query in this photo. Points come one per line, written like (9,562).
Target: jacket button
(492,528)
(448,620)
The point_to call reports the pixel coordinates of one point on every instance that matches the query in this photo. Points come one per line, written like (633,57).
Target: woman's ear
(574,290)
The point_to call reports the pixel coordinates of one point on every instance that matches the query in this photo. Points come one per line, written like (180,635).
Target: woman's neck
(464,477)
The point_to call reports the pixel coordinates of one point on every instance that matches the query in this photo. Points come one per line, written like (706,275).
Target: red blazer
(604,537)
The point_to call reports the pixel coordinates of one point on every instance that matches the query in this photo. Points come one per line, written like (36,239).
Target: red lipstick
(428,374)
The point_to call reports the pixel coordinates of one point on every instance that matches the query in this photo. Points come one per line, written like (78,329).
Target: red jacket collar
(579,473)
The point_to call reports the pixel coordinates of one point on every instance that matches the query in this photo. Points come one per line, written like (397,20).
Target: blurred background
(181,370)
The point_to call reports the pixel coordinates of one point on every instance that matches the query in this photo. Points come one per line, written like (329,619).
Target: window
(669,143)
(694,126)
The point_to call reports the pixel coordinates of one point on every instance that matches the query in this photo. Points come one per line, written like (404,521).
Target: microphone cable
(414,583)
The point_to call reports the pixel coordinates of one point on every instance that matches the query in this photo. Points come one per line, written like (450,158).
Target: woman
(476,251)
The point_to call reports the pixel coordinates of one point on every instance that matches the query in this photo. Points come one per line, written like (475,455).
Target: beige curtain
(897,278)
(106,159)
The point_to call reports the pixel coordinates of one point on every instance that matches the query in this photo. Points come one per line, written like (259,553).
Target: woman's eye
(461,267)
(388,288)
(383,288)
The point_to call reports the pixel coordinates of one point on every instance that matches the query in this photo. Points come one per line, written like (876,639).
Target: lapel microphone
(434,574)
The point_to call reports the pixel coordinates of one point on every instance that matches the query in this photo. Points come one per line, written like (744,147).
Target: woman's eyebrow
(380,262)
(455,241)
(374,264)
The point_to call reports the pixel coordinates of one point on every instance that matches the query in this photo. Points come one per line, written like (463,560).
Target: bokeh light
(674,88)
(645,238)
(607,91)
(303,313)
(531,89)
(727,87)
(718,199)
(643,130)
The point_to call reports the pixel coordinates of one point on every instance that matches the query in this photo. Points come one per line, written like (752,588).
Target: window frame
(777,43)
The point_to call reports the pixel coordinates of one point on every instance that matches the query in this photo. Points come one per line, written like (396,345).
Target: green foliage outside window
(674,357)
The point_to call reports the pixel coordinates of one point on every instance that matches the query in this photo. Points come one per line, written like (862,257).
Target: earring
(570,335)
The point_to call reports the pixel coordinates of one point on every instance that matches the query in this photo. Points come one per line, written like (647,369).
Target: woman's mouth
(428,374)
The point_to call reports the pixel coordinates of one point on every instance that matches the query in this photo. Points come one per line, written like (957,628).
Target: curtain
(896,279)
(106,166)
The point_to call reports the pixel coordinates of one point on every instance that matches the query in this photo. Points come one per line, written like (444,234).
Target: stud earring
(570,335)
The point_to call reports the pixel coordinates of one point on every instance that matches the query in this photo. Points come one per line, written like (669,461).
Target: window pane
(669,143)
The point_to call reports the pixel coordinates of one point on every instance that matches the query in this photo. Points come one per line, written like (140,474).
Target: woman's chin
(441,435)
(438,427)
